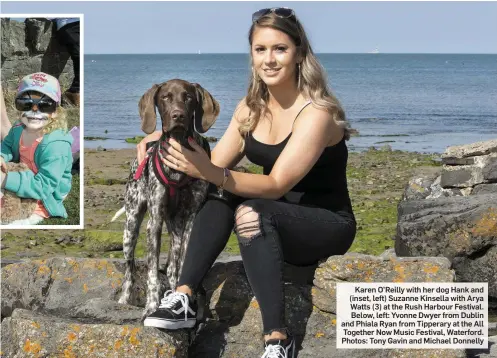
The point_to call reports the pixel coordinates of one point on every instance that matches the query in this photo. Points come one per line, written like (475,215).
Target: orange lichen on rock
(85,287)
(117,345)
(91,348)
(68,353)
(71,337)
(319,334)
(460,240)
(431,270)
(400,269)
(333,322)
(43,270)
(254,304)
(367,276)
(33,348)
(132,339)
(35,325)
(74,265)
(68,279)
(167,351)
(125,331)
(487,225)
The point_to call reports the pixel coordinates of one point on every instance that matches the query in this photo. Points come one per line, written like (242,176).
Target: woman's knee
(248,220)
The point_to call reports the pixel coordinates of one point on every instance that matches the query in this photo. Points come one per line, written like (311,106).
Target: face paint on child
(34,119)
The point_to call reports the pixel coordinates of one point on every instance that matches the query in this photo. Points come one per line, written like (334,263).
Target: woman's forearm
(246,184)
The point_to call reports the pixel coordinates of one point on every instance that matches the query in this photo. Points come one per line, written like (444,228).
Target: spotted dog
(186,109)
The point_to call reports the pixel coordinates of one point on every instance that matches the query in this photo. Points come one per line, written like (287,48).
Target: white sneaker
(275,348)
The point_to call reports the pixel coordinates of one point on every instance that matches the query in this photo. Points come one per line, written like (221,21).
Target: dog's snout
(178,115)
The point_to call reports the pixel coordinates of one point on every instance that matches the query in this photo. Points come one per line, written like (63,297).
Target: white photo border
(81,126)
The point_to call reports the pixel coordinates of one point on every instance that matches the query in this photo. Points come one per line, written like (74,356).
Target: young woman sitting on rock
(298,210)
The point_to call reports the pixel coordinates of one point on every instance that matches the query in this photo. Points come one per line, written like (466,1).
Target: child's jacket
(53,159)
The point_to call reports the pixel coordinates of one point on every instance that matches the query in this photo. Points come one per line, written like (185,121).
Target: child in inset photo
(40,142)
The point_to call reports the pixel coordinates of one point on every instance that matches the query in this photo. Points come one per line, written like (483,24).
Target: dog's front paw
(124,299)
(147,312)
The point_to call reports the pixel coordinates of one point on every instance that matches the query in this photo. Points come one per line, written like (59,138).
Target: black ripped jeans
(269,233)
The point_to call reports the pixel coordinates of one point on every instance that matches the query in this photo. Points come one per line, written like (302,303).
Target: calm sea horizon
(413,102)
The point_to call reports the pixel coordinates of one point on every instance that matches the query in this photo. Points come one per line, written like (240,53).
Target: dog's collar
(154,153)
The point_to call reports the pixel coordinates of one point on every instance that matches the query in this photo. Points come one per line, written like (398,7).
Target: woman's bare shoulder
(320,119)
(242,110)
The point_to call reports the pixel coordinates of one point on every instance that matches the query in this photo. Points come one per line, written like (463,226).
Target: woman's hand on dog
(195,163)
(141,148)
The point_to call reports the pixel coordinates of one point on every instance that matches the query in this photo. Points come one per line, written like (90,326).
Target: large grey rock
(13,39)
(421,184)
(484,170)
(490,352)
(388,267)
(25,45)
(470,150)
(60,285)
(461,176)
(485,189)
(234,324)
(30,334)
(480,267)
(490,169)
(460,227)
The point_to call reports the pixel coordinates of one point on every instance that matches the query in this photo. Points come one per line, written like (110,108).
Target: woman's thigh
(306,234)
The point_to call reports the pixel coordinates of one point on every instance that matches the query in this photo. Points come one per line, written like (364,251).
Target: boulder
(490,352)
(469,150)
(67,307)
(366,268)
(24,45)
(484,170)
(485,189)
(30,334)
(461,228)
(63,284)
(234,324)
(469,165)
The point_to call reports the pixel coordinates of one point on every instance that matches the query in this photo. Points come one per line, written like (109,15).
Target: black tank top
(325,185)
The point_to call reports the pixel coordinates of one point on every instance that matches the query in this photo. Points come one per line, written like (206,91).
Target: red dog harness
(159,169)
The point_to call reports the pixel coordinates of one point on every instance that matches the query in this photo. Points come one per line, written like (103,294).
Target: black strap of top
(305,105)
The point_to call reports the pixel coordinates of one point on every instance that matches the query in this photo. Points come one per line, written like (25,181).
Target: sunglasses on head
(45,104)
(282,12)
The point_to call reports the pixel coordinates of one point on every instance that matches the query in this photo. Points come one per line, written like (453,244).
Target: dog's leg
(136,207)
(154,231)
(183,244)
(173,257)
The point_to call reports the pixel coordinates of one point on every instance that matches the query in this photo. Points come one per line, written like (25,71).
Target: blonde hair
(310,76)
(57,121)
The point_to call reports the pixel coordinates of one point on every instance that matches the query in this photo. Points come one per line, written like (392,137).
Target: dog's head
(183,107)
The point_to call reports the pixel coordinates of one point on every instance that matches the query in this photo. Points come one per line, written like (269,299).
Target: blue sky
(336,27)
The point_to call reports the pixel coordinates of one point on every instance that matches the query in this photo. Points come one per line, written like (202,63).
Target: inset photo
(41,122)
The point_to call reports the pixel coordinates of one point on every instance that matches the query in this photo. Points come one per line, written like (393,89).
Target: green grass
(71,203)
(134,140)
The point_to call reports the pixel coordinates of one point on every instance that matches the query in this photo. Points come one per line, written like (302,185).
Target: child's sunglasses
(45,104)
(282,12)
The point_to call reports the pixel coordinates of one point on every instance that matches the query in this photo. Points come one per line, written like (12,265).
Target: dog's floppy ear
(207,109)
(146,107)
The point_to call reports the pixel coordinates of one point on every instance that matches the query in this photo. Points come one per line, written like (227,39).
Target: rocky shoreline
(69,305)
(373,192)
